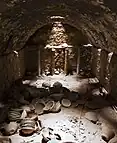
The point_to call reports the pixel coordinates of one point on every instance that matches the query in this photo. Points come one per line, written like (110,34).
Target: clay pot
(46,135)
(107,133)
(66,103)
(15,114)
(57,85)
(11,128)
(113,140)
(49,106)
(39,104)
(39,108)
(46,85)
(5,139)
(26,108)
(56,108)
(23,115)
(27,127)
(33,116)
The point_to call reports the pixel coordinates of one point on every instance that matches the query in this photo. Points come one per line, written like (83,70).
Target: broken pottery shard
(27,127)
(5,139)
(24,114)
(56,72)
(107,133)
(91,116)
(46,134)
(26,108)
(66,103)
(57,85)
(113,140)
(46,84)
(49,106)
(15,114)
(32,116)
(39,108)
(56,108)
(10,128)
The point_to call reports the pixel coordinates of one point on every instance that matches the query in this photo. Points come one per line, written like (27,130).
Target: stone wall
(11,68)
(113,76)
(21,19)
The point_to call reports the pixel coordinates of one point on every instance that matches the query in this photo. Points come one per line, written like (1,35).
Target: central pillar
(103,66)
(66,60)
(52,61)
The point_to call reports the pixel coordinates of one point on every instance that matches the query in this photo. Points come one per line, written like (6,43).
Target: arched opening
(55,49)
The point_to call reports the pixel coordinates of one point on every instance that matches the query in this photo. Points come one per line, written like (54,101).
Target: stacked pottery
(39,105)
(15,114)
(66,103)
(10,129)
(56,108)
(27,127)
(49,106)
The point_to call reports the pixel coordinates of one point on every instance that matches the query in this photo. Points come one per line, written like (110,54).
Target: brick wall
(11,68)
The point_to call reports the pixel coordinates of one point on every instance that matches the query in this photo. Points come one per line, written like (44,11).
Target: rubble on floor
(25,115)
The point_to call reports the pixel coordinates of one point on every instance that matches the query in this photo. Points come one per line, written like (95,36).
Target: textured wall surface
(11,68)
(20,19)
(113,76)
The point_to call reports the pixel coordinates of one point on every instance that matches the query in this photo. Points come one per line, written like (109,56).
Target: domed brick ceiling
(19,19)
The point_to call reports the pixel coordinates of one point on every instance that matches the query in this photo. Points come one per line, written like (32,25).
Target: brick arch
(19,24)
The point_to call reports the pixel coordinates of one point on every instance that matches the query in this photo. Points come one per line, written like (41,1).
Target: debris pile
(20,113)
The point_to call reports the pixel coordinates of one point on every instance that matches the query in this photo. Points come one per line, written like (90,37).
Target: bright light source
(88,45)
(57,17)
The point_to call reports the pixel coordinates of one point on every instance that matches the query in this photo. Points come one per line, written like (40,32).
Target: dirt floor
(72,123)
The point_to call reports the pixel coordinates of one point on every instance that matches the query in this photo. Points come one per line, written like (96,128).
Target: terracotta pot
(15,114)
(10,128)
(49,106)
(56,108)
(66,103)
(113,140)
(27,127)
(107,133)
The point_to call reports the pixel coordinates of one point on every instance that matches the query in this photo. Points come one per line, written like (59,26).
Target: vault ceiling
(19,19)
